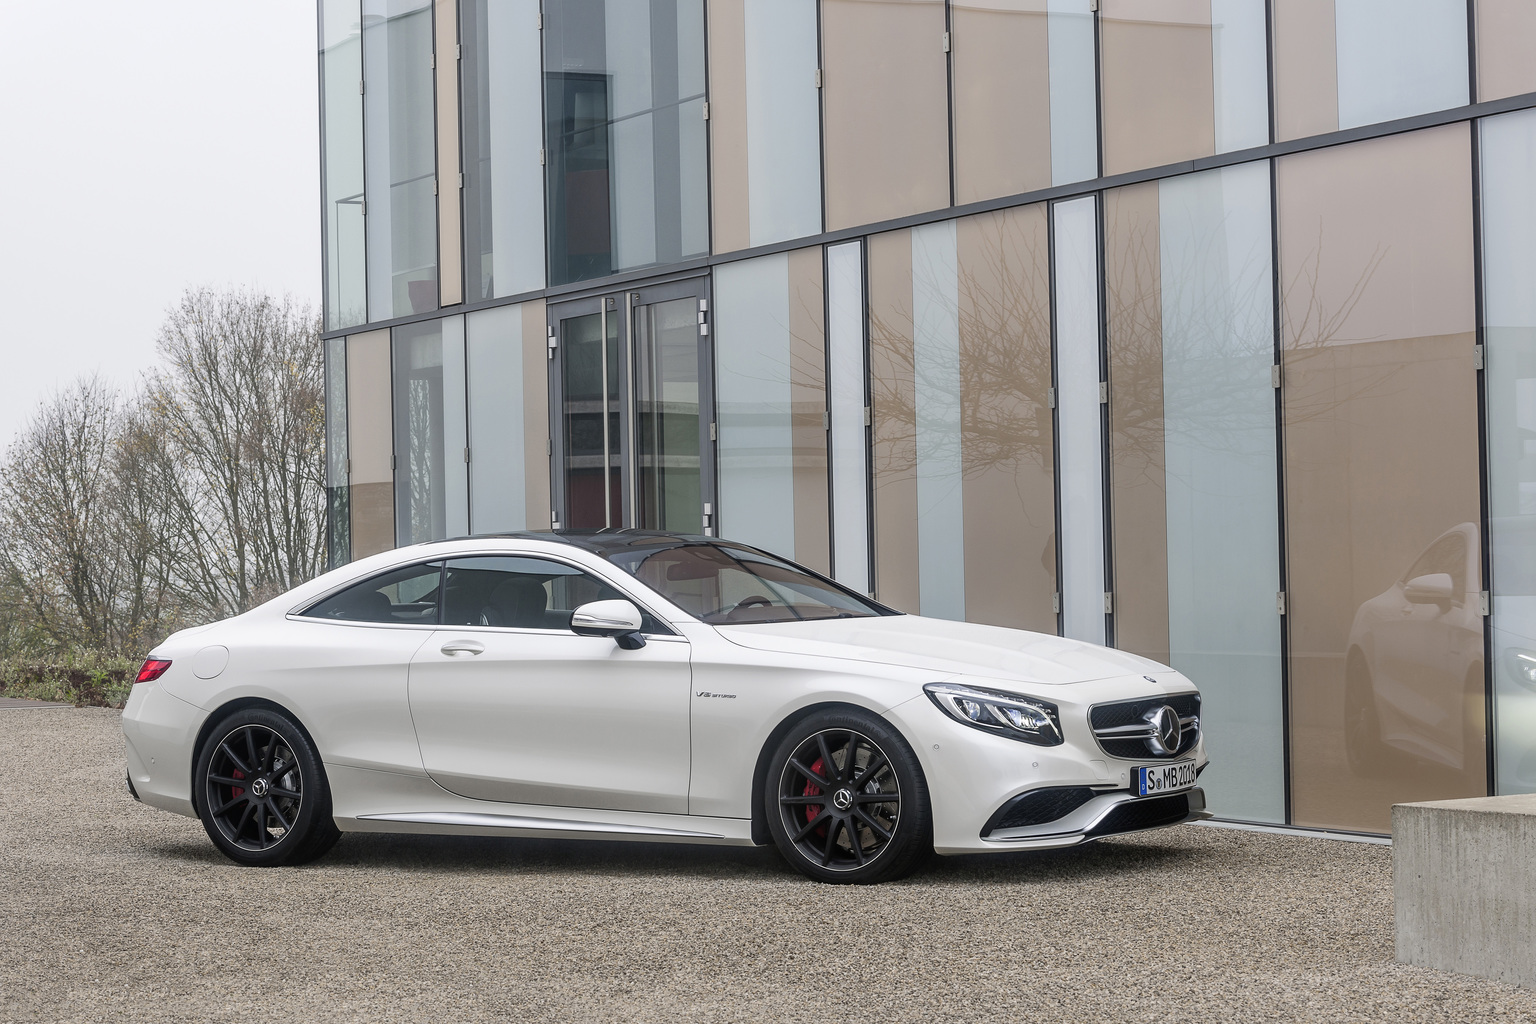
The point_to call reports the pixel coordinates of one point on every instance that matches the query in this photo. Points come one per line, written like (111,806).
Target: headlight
(1522,665)
(1007,714)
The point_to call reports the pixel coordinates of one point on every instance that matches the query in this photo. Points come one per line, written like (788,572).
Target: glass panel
(1157,82)
(1506,30)
(431,480)
(1306,71)
(1508,162)
(1400,57)
(1214,305)
(783,120)
(369,448)
(341,118)
(406,595)
(1239,32)
(1074,93)
(847,401)
(523,593)
(1080,438)
(1002,105)
(503,132)
(497,484)
(936,375)
(338,510)
(626,146)
(1006,440)
(401,157)
(885,104)
(1380,396)
(893,433)
(590,411)
(752,403)
(667,416)
(450,171)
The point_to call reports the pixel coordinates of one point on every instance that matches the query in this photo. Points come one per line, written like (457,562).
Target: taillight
(153,669)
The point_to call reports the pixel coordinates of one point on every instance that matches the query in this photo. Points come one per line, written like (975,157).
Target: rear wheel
(261,792)
(846,800)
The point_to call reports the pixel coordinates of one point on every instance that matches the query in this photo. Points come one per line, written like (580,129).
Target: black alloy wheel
(847,801)
(262,796)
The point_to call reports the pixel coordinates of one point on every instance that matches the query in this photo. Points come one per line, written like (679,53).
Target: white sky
(146,147)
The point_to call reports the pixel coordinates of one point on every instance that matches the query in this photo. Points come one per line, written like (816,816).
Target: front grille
(1136,815)
(1038,807)
(1129,712)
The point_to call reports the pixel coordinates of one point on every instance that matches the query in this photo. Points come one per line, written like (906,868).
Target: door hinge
(1485,601)
(1103,392)
(349,469)
(946,42)
(466,454)
(706,110)
(554,519)
(458,51)
(540,21)
(826,420)
(1109,602)
(1093,5)
(461,179)
(869,416)
(434,61)
(552,343)
(1477,357)
(549,446)
(1050,398)
(434,186)
(391,463)
(364,206)
(714,431)
(1279,602)
(541,157)
(1274,375)
(1056,602)
(818,78)
(362,87)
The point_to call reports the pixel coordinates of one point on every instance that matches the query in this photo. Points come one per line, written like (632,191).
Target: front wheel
(846,800)
(261,793)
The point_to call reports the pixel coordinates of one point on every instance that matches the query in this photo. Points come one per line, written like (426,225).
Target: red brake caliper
(234,794)
(811,789)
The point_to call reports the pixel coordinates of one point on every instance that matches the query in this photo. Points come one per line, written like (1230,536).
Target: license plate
(1164,778)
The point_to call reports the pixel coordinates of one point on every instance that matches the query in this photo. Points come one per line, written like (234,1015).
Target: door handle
(459,648)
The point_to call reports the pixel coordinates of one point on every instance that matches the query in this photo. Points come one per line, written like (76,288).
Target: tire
(1362,727)
(878,826)
(283,815)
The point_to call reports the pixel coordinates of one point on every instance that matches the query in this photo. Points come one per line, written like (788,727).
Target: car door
(511,706)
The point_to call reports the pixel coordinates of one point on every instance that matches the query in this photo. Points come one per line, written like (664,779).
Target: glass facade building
(1202,328)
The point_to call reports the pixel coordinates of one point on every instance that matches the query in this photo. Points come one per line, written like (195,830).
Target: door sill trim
(513,821)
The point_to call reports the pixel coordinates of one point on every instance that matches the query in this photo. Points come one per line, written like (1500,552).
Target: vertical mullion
(450,160)
(1485,498)
(1280,518)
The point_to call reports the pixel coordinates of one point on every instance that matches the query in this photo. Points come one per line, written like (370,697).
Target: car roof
(605,543)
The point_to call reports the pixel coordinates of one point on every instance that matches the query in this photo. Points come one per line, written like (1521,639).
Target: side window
(401,595)
(523,593)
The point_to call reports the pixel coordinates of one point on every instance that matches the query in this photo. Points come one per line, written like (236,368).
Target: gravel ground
(113,911)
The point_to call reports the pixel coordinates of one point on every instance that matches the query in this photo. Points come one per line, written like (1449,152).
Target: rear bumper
(1105,814)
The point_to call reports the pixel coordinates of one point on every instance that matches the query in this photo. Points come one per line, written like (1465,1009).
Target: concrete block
(1464,886)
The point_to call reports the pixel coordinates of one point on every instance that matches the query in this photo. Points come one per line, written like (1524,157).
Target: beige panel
(1381,458)
(1306,69)
(1158,92)
(536,448)
(1007,442)
(728,124)
(1002,98)
(885,108)
(370,443)
(1506,39)
(450,228)
(808,408)
(1138,486)
(894,412)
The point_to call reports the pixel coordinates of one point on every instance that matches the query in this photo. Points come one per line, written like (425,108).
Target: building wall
(1203,328)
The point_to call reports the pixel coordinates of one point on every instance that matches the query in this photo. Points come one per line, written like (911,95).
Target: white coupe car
(649,686)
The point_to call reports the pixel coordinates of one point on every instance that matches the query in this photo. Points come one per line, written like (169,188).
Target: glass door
(633,402)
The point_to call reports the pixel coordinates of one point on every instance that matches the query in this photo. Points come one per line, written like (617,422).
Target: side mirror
(618,619)
(1431,588)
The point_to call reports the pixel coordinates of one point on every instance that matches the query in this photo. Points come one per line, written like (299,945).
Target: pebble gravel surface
(113,911)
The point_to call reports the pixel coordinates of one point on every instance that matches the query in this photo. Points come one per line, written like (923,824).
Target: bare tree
(239,407)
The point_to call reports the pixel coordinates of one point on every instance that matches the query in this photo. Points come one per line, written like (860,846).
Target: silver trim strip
(544,824)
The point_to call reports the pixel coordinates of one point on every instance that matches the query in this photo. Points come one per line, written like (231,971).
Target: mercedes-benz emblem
(259,787)
(1167,732)
(842,799)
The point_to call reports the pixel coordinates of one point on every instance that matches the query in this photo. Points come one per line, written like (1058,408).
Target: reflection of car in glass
(1512,632)
(1414,671)
(649,686)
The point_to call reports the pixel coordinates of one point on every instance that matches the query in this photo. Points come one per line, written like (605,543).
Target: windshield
(728,584)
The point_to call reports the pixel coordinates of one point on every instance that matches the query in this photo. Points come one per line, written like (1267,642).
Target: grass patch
(88,679)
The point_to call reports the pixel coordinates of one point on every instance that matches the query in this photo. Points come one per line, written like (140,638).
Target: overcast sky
(146,147)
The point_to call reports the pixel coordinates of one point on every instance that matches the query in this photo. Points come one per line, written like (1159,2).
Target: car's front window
(729,583)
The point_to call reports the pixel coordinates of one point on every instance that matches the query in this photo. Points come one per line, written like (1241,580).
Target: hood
(945,649)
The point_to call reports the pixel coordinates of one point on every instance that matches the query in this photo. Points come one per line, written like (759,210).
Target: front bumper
(1104,814)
